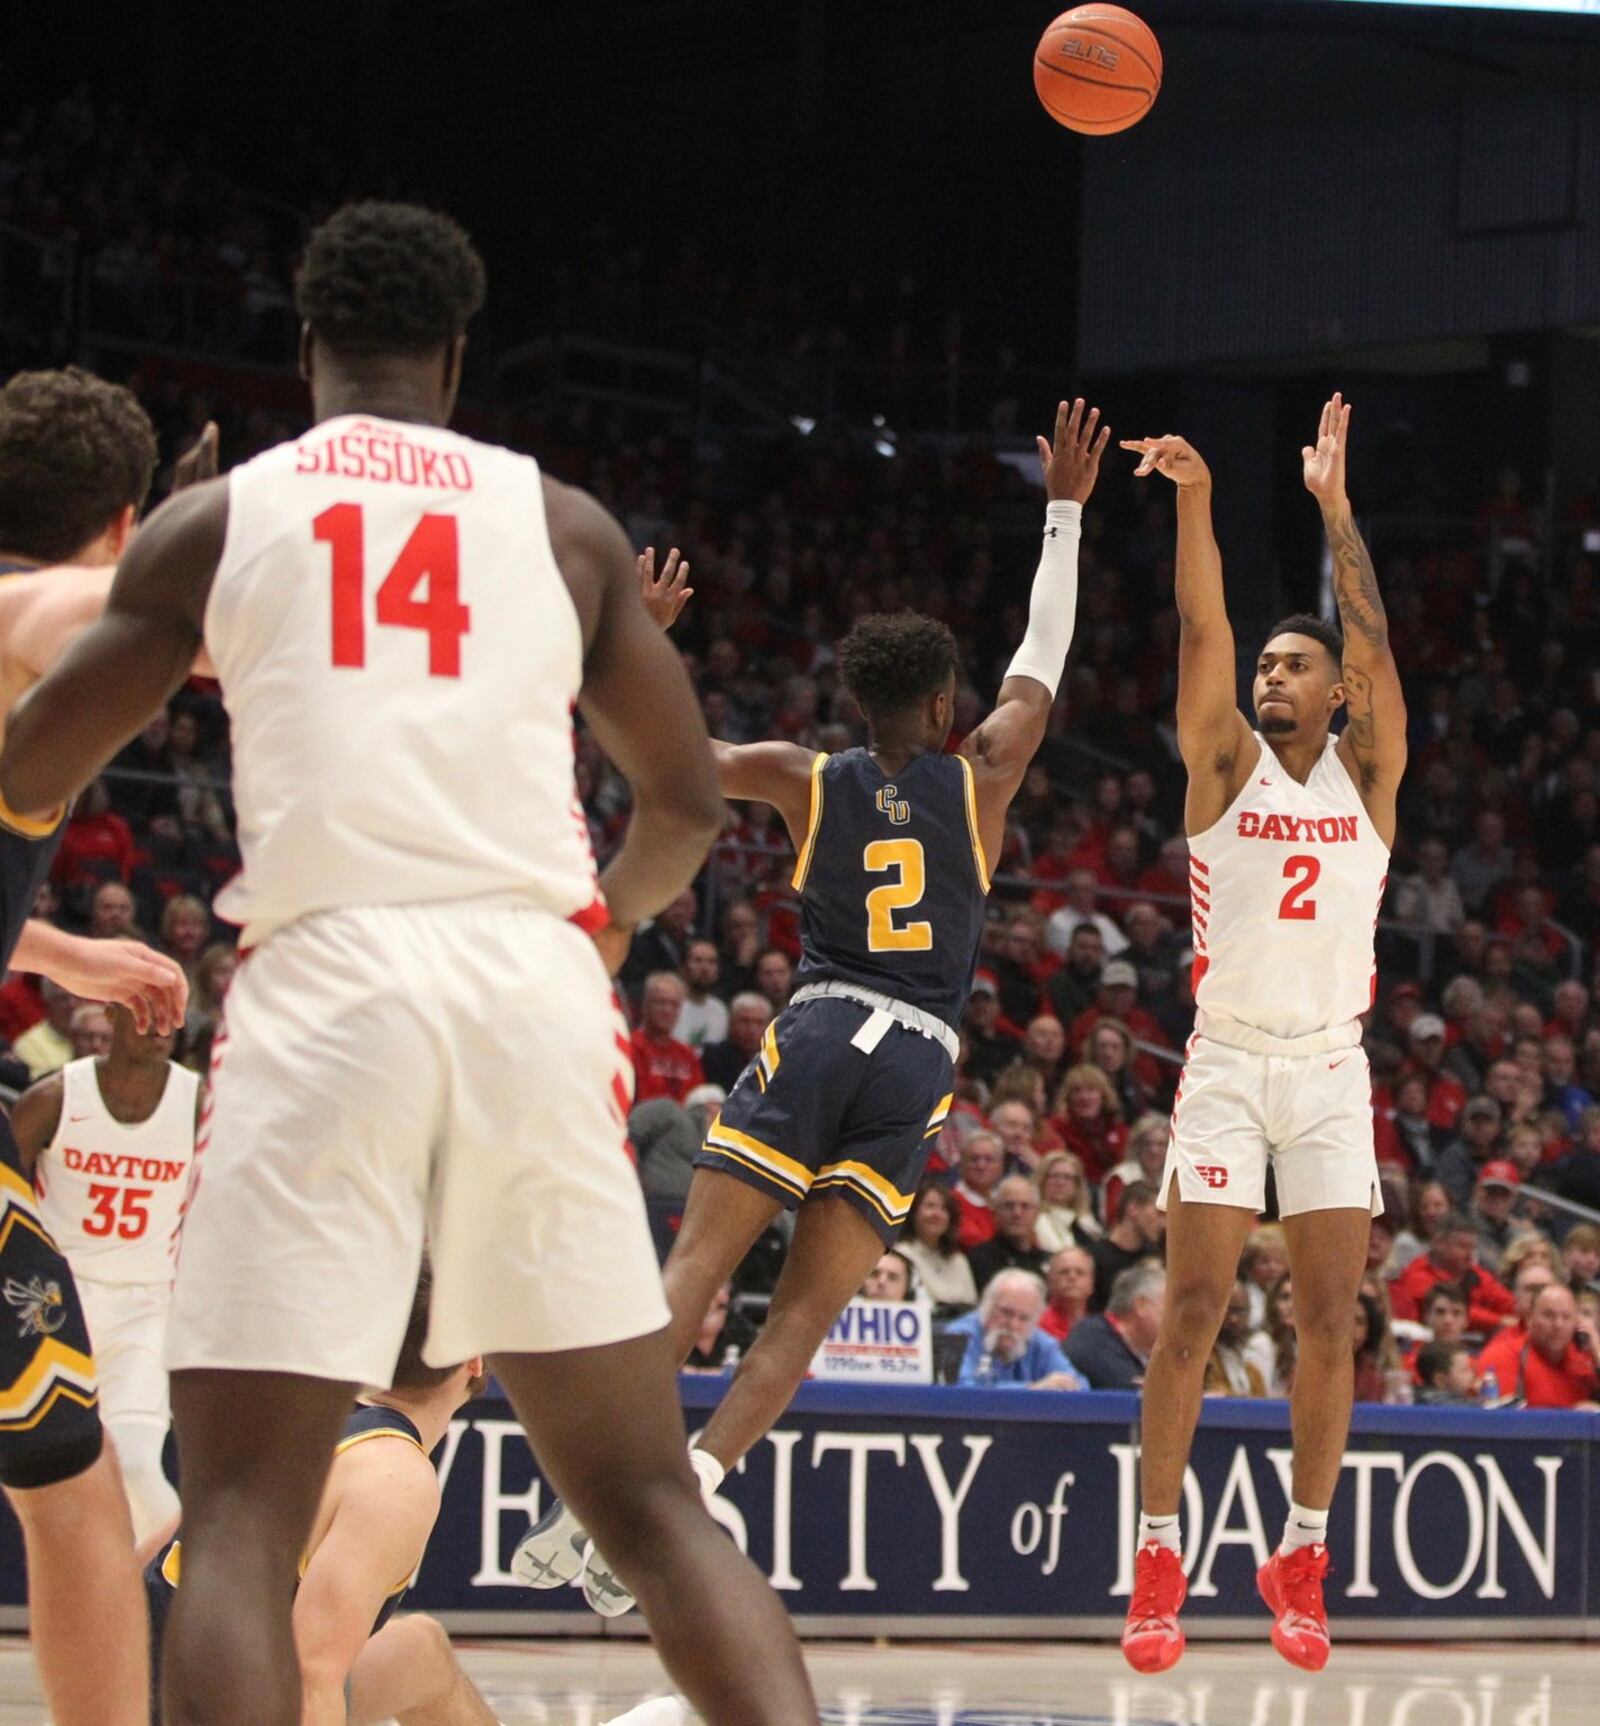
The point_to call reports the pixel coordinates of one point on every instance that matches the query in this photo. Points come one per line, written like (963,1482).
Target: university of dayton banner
(928,1511)
(894,1509)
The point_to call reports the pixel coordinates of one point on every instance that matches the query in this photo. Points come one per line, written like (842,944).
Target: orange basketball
(1098,69)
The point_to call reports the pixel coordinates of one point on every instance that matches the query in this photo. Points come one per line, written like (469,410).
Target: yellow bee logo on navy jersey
(40,1309)
(890,803)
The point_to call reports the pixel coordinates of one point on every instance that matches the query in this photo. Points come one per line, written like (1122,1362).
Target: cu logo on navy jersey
(894,806)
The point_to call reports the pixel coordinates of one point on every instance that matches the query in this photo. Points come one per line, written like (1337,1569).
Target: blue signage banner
(934,1511)
(887,1509)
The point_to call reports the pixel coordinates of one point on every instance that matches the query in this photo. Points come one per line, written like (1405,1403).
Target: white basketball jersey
(399,658)
(1285,891)
(110,1193)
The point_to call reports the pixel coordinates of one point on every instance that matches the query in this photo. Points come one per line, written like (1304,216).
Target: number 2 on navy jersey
(1301,873)
(429,561)
(902,858)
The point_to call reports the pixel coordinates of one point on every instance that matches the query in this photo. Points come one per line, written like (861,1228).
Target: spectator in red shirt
(96,840)
(1557,1365)
(1120,873)
(1044,1048)
(1070,1282)
(983,1162)
(1117,998)
(1168,879)
(1447,1096)
(662,1066)
(1089,1120)
(1451,1258)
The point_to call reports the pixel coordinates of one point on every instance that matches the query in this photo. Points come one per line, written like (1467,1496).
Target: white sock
(1304,1528)
(658,1711)
(711,1473)
(1163,1530)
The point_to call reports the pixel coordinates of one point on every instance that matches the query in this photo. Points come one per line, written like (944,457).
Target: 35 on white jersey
(112,1194)
(399,658)
(1285,891)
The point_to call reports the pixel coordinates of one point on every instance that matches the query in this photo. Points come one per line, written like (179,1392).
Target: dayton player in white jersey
(1289,832)
(110,1141)
(422,1044)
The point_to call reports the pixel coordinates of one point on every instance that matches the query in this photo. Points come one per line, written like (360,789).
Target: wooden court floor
(583,1684)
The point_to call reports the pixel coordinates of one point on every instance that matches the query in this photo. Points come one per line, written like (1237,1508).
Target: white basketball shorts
(1310,1114)
(452,1075)
(128,1332)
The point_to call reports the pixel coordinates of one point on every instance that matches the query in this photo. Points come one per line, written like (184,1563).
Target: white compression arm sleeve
(1053,607)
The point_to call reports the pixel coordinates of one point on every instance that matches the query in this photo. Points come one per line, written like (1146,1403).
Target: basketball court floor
(1484,1684)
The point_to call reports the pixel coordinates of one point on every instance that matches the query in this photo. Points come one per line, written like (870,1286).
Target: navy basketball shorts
(836,1105)
(49,1401)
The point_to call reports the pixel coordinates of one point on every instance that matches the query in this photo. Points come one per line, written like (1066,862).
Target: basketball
(1097,69)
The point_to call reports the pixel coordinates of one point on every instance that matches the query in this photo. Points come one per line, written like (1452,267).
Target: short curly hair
(75,452)
(1318,628)
(382,278)
(891,662)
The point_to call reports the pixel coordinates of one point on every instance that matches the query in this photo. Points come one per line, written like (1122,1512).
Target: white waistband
(1247,1037)
(913,1018)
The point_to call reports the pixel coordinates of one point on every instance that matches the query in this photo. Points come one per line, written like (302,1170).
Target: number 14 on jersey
(421,590)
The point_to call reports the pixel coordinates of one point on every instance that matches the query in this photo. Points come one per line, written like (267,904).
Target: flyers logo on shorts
(1213,1174)
(40,1309)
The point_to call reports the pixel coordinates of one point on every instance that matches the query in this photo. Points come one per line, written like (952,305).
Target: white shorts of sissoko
(398,1073)
(1309,1112)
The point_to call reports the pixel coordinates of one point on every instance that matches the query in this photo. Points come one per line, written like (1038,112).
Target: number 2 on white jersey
(429,561)
(904,857)
(1301,873)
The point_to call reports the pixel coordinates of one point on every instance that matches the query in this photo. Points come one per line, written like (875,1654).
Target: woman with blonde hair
(1261,1265)
(213,976)
(1146,1160)
(1527,1249)
(1089,1118)
(1066,1216)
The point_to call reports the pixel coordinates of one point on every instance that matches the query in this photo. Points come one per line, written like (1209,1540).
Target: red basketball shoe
(1291,1585)
(1151,1639)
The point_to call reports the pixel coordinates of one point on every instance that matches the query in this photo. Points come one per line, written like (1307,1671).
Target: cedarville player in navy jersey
(835,1117)
(76,459)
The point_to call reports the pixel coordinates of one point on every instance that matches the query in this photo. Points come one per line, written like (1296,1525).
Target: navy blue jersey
(164,1572)
(27,849)
(892,880)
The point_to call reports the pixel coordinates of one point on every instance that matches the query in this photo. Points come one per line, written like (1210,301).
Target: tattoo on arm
(1355,582)
(1361,727)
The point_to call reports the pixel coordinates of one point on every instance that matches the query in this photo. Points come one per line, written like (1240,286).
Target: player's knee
(431,1646)
(1192,1316)
(1323,1327)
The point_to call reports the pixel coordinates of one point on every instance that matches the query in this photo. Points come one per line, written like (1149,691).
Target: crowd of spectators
(1484,1040)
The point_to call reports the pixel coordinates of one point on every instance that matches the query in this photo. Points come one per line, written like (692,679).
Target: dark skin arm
(1214,737)
(1003,746)
(101,692)
(638,701)
(35,1116)
(1373,747)
(775,773)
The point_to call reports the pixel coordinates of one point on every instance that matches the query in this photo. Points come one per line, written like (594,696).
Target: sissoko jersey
(892,880)
(112,1193)
(399,658)
(1284,892)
